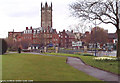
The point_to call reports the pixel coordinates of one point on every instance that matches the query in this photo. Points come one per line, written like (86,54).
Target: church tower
(46,16)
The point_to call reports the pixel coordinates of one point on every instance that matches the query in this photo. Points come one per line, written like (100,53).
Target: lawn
(111,66)
(40,68)
(0,67)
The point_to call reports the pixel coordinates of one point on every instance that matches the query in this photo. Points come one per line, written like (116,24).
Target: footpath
(97,73)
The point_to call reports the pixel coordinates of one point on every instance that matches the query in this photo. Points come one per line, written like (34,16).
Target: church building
(41,36)
(44,35)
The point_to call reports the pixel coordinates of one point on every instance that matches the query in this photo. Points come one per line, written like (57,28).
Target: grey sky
(18,14)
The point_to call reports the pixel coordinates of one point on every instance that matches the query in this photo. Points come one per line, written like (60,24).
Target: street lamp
(95,38)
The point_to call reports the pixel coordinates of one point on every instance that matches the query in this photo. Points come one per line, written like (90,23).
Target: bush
(84,54)
(87,54)
(78,53)
(51,48)
(13,48)
(3,46)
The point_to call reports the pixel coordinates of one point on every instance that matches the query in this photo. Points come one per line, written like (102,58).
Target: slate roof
(71,35)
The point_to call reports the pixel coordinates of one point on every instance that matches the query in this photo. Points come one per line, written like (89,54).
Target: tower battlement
(46,16)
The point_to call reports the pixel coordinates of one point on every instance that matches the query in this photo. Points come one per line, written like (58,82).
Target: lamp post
(95,39)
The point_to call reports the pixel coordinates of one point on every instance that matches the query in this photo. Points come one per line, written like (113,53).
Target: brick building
(66,38)
(16,36)
(112,37)
(39,37)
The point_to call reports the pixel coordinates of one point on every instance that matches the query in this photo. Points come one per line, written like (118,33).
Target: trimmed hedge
(4,46)
(84,54)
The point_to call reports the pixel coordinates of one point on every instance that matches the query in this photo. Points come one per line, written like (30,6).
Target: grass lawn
(40,68)
(0,68)
(111,66)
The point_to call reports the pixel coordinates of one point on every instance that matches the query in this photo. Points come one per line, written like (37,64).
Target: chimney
(26,28)
(32,31)
(71,31)
(31,27)
(46,5)
(63,30)
(41,5)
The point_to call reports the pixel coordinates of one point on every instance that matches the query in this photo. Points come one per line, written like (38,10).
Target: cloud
(27,14)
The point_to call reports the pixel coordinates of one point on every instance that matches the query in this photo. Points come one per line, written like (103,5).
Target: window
(27,31)
(30,31)
(65,36)
(38,31)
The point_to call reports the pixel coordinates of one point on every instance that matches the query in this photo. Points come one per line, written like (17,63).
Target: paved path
(100,74)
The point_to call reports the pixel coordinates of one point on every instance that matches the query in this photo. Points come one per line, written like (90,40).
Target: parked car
(26,50)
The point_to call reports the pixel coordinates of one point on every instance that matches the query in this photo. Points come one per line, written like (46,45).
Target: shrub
(86,54)
(4,46)
(51,48)
(78,53)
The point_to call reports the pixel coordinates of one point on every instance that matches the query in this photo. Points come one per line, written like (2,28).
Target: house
(66,38)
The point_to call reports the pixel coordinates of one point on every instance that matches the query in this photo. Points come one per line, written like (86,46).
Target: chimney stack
(71,31)
(31,27)
(32,31)
(63,30)
(26,28)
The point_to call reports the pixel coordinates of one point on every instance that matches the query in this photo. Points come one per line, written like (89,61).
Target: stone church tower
(46,16)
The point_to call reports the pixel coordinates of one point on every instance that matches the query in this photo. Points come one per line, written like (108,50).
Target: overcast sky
(19,14)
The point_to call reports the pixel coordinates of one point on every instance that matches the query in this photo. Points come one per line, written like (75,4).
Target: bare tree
(9,42)
(104,11)
(41,39)
(12,45)
(24,43)
(100,34)
(79,30)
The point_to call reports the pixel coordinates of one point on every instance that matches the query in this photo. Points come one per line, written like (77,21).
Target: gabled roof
(70,34)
